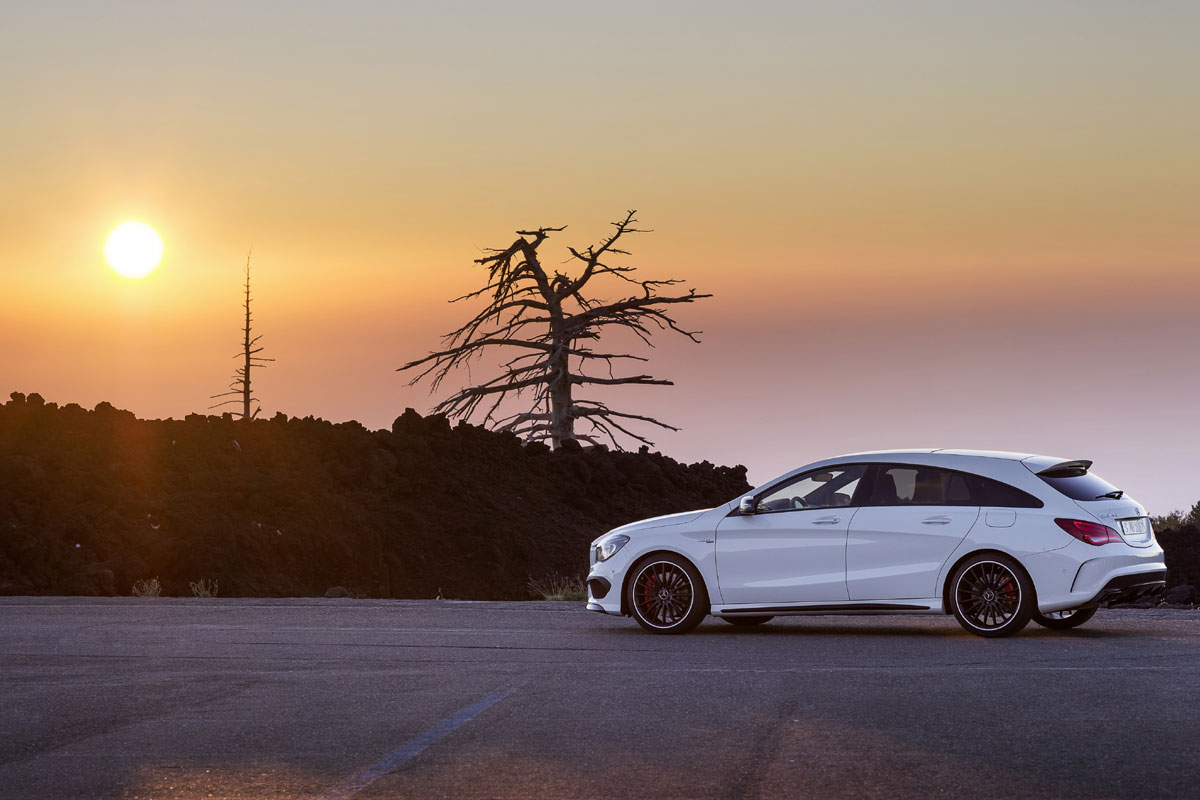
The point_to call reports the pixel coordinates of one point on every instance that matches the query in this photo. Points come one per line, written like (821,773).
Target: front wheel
(992,596)
(666,594)
(1064,620)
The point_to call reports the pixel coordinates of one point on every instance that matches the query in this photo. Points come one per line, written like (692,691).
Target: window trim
(973,486)
(866,487)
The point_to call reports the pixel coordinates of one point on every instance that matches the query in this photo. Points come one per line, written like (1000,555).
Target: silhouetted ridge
(92,501)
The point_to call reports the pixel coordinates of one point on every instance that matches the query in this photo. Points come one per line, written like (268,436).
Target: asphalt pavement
(253,698)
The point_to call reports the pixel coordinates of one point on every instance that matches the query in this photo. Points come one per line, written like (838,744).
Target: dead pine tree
(544,326)
(239,387)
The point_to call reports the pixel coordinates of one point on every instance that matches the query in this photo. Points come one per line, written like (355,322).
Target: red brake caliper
(648,590)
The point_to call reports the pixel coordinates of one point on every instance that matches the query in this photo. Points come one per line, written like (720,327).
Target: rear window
(1078,484)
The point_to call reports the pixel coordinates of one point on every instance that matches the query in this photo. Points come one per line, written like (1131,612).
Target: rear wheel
(746,622)
(1064,620)
(991,596)
(666,594)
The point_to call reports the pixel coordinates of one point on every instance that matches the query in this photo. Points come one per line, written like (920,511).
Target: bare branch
(644,380)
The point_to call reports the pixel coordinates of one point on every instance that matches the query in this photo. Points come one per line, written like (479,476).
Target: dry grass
(558,587)
(204,588)
(149,587)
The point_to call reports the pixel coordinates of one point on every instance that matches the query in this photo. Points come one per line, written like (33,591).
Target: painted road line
(411,749)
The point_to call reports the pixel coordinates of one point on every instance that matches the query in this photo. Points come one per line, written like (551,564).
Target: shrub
(204,588)
(1177,519)
(147,588)
(556,587)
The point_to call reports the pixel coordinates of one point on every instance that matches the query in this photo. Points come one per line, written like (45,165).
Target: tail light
(1090,532)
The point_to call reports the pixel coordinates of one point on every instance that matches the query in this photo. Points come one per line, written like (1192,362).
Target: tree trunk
(246,349)
(562,424)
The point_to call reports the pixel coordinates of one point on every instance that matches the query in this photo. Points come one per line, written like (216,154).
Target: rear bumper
(1126,588)
(1081,574)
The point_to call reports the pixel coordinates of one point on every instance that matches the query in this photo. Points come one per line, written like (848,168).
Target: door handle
(829,520)
(939,520)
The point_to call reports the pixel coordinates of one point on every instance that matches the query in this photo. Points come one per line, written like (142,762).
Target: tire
(1064,620)
(746,622)
(991,595)
(666,594)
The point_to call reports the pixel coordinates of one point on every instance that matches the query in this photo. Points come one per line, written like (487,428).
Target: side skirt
(832,608)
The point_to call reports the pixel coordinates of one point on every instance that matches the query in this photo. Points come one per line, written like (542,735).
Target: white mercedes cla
(995,539)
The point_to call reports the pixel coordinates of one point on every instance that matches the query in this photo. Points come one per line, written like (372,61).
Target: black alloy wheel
(991,596)
(1064,620)
(666,594)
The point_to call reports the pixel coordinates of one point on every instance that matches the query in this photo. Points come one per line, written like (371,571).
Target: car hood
(661,522)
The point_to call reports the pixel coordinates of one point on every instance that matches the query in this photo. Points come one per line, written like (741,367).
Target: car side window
(833,487)
(920,486)
(997,494)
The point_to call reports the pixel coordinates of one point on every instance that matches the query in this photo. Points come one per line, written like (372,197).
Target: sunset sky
(925,224)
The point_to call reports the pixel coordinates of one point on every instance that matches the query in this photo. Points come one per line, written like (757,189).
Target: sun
(133,249)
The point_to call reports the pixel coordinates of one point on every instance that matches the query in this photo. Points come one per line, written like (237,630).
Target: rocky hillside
(93,501)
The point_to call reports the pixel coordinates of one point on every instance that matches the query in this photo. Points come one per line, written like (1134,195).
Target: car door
(793,548)
(909,523)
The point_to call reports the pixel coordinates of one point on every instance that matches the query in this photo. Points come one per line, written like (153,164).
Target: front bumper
(604,585)
(598,589)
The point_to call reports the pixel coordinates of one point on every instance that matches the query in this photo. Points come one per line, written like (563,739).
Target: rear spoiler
(1053,468)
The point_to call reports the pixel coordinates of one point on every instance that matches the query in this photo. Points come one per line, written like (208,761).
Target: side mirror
(748,506)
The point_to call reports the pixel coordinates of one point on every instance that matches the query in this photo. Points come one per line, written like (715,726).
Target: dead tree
(239,388)
(548,322)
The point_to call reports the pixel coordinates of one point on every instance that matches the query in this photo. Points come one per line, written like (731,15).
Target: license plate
(1135,529)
